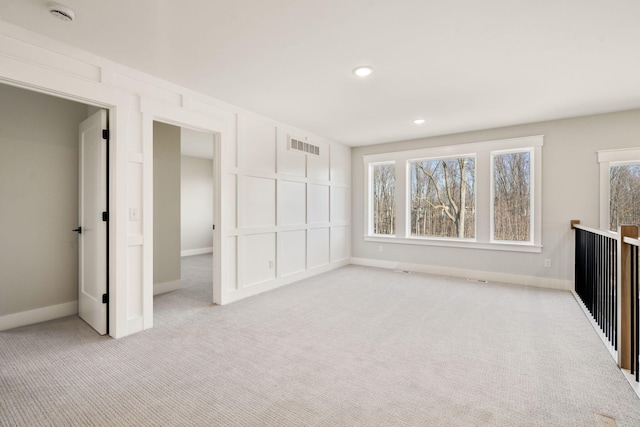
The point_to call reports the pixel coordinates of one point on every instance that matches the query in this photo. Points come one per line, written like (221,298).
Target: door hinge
(214,226)
(105,298)
(105,134)
(105,216)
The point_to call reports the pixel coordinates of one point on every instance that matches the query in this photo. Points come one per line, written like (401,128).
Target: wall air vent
(299,145)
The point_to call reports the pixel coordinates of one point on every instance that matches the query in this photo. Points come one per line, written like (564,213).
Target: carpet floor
(353,347)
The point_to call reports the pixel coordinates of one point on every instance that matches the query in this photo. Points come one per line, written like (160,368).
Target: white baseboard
(134,325)
(596,327)
(38,315)
(516,279)
(200,251)
(258,288)
(612,351)
(164,287)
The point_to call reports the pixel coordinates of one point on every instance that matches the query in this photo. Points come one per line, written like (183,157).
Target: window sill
(467,244)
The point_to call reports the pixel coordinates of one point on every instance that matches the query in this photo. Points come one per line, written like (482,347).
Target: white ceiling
(460,64)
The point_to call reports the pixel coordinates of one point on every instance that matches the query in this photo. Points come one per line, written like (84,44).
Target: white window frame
(369,197)
(532,183)
(407,200)
(606,159)
(483,153)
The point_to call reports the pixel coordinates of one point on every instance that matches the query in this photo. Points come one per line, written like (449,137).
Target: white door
(92,230)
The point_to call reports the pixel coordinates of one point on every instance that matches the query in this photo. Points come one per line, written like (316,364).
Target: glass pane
(443,198)
(624,195)
(512,197)
(384,195)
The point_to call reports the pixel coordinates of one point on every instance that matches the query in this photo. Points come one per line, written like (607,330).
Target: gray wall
(166,203)
(39,200)
(569,187)
(196,203)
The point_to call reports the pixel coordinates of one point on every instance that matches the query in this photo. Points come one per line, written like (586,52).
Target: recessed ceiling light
(363,71)
(419,121)
(61,12)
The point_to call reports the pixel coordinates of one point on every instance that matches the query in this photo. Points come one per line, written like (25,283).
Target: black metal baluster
(596,280)
(611,288)
(605,286)
(594,272)
(590,273)
(634,310)
(600,261)
(614,291)
(635,284)
(632,296)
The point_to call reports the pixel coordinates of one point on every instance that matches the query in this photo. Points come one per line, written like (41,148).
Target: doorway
(39,215)
(183,216)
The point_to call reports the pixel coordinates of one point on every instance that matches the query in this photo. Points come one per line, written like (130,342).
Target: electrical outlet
(380,248)
(547,263)
(270,264)
(133,214)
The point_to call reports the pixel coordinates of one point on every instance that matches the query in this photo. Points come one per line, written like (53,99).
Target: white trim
(533,212)
(269,285)
(514,279)
(604,196)
(164,287)
(30,76)
(220,127)
(619,155)
(200,251)
(38,315)
(631,379)
(456,150)
(136,99)
(606,158)
(483,153)
(368,199)
(457,243)
(612,351)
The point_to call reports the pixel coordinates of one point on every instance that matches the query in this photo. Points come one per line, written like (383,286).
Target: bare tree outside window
(512,196)
(443,198)
(624,195)
(384,195)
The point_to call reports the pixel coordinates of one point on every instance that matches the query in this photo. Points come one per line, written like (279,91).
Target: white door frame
(177,116)
(32,62)
(91,94)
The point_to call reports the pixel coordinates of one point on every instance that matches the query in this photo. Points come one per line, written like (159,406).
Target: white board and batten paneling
(284,211)
(258,202)
(292,252)
(292,203)
(281,215)
(318,202)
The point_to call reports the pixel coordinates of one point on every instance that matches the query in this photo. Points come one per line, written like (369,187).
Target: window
(619,188)
(443,197)
(384,199)
(624,195)
(481,195)
(511,196)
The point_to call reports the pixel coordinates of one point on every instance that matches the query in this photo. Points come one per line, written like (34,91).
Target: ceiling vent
(61,12)
(299,145)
